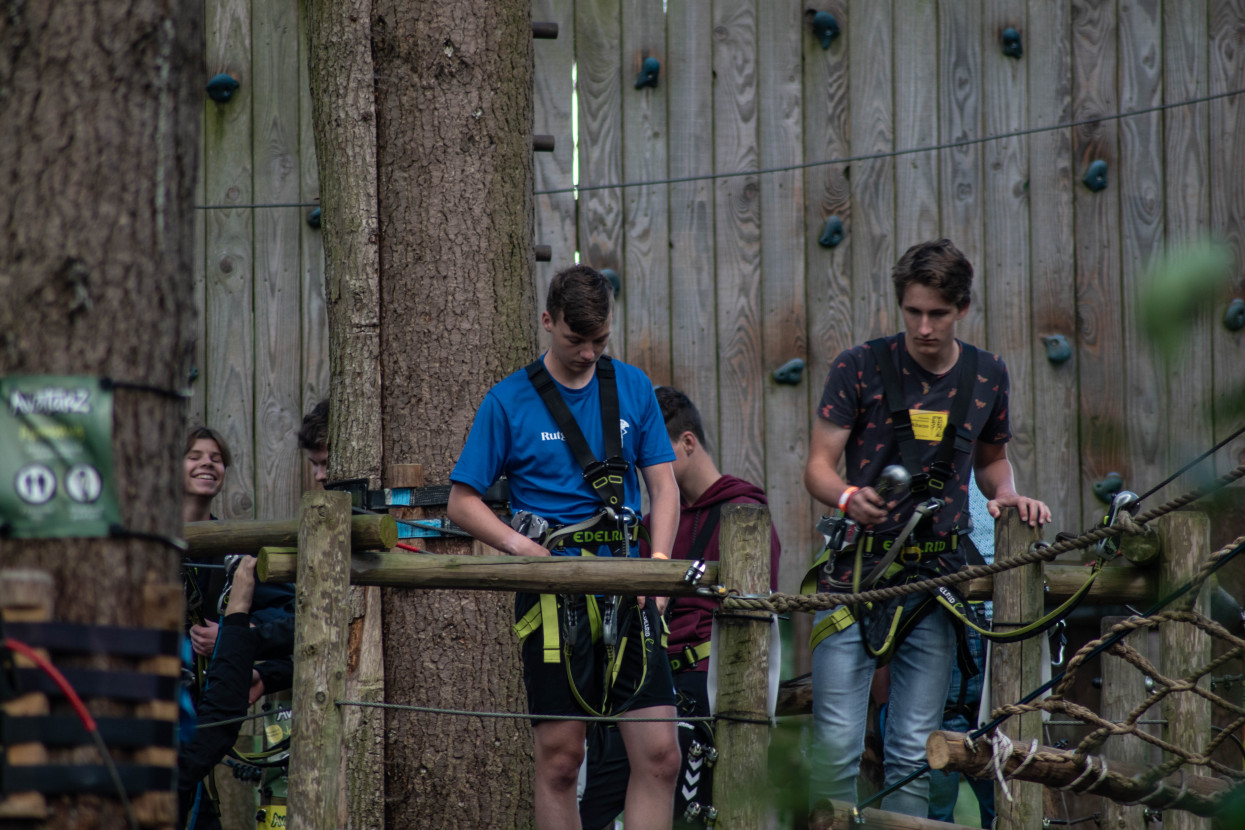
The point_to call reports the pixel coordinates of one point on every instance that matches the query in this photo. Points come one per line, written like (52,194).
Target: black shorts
(643,681)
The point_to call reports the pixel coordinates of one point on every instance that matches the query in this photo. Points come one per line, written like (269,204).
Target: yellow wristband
(659,555)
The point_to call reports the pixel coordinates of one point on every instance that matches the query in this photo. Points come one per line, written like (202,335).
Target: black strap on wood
(95,779)
(61,637)
(121,685)
(955,437)
(605,477)
(67,730)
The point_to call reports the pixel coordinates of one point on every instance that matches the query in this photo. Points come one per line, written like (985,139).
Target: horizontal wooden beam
(1056,768)
(566,574)
(220,538)
(573,574)
(1114,585)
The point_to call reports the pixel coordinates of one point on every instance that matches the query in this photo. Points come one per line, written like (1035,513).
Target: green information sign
(56,476)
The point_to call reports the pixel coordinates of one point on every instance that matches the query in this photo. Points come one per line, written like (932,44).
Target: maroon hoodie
(691,618)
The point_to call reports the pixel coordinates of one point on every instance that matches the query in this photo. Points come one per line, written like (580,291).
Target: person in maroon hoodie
(703,490)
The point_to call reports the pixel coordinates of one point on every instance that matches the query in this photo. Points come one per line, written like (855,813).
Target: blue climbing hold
(826,28)
(615,280)
(313,219)
(1106,489)
(1058,350)
(790,373)
(1234,317)
(832,233)
(1012,47)
(221,88)
(1096,177)
(649,71)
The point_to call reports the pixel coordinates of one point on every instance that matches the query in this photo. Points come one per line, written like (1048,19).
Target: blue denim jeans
(842,671)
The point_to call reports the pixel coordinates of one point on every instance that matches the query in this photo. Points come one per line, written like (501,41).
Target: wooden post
(742,657)
(25,596)
(840,815)
(1183,648)
(319,659)
(1016,669)
(1123,687)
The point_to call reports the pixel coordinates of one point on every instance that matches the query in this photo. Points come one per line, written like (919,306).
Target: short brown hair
(680,414)
(581,297)
(314,433)
(200,431)
(939,265)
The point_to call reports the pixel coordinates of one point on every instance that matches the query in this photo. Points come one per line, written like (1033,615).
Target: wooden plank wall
(743,286)
(723,278)
(262,353)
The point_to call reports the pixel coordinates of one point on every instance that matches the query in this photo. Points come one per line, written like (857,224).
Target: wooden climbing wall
(723,278)
(262,352)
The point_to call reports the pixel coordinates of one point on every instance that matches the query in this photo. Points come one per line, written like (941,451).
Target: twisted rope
(780,603)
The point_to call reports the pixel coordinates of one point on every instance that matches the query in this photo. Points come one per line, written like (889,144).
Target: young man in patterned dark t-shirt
(932,285)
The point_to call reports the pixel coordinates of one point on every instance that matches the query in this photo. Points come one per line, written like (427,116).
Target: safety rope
(780,603)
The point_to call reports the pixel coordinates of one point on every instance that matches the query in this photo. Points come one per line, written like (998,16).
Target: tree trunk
(428,229)
(454,123)
(99,117)
(339,45)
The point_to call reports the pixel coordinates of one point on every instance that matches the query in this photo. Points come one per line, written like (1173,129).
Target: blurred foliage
(1178,288)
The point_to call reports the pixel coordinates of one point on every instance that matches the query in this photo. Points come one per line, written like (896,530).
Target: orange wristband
(659,555)
(846,496)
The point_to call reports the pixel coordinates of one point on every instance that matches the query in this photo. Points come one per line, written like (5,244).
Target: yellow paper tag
(273,733)
(928,425)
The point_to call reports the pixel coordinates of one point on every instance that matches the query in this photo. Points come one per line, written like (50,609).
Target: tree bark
(427,230)
(454,124)
(99,121)
(339,47)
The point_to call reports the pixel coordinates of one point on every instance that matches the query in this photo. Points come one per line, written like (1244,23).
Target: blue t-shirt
(515,434)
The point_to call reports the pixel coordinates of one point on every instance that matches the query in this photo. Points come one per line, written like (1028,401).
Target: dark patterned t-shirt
(854,399)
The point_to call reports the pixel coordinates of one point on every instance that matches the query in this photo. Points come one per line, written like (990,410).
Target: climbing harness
(571,622)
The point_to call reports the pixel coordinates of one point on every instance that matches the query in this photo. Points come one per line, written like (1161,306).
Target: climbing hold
(616,281)
(649,71)
(194,374)
(1096,177)
(1234,317)
(1106,489)
(826,28)
(832,233)
(790,373)
(1012,46)
(1058,350)
(221,88)
(313,219)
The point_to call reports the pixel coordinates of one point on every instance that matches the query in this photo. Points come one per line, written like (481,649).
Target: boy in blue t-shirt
(516,434)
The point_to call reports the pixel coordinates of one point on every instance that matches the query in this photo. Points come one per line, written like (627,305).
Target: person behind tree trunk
(858,421)
(703,489)
(607,422)
(313,440)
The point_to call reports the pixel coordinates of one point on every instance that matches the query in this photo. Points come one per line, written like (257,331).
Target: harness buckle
(695,572)
(910,555)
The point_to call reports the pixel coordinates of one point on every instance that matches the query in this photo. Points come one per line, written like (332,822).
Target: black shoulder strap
(955,438)
(697,550)
(901,421)
(605,477)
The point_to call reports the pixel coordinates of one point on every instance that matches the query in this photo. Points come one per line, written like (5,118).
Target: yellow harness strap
(543,616)
(690,656)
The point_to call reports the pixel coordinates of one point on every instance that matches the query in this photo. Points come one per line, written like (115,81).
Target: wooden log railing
(220,538)
(278,563)
(1056,768)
